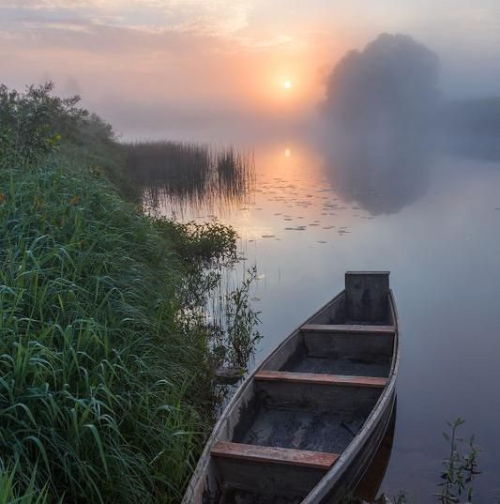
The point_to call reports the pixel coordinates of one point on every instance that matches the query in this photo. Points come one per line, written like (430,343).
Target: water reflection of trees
(384,116)
(379,115)
(183,175)
(381,176)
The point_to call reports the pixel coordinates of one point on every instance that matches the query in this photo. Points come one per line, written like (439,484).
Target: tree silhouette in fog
(379,110)
(392,83)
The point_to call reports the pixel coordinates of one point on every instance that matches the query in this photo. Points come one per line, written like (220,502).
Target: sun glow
(287,84)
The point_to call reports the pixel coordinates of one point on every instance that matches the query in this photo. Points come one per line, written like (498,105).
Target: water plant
(460,468)
(237,336)
(180,173)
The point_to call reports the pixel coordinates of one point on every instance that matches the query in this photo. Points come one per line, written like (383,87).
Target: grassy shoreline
(106,359)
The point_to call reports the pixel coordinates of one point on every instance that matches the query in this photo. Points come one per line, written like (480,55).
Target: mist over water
(385,119)
(378,123)
(382,123)
(384,154)
(391,173)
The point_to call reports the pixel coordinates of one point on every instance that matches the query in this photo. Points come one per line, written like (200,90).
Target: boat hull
(281,388)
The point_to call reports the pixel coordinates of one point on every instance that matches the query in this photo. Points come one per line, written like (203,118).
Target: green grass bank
(106,358)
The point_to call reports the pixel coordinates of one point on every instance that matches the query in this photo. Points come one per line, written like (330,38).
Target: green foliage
(105,351)
(206,245)
(10,494)
(459,468)
(238,337)
(35,123)
(206,250)
(96,381)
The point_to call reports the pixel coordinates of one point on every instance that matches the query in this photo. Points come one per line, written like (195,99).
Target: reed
(188,173)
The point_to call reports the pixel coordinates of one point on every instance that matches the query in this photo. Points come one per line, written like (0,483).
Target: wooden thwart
(268,454)
(321,379)
(349,328)
(328,388)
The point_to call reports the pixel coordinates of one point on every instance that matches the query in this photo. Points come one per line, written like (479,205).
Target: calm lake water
(435,224)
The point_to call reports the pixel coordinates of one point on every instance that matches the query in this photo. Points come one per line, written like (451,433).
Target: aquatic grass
(235,325)
(460,468)
(188,173)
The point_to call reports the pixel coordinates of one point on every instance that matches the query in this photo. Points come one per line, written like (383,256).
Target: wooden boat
(306,424)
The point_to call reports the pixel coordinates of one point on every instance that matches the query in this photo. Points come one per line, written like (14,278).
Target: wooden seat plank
(274,455)
(322,379)
(349,328)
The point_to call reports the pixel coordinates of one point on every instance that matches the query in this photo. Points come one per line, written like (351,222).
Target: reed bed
(187,173)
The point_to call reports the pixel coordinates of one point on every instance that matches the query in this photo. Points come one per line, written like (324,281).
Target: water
(434,223)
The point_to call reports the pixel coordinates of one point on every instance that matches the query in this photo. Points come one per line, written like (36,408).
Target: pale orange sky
(145,64)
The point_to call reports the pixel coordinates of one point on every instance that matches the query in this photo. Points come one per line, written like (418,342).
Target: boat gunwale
(346,457)
(234,402)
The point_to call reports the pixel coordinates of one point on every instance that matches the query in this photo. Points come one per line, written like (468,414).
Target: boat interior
(309,399)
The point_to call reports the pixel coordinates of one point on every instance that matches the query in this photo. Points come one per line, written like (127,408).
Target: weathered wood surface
(322,379)
(315,398)
(349,328)
(355,460)
(366,294)
(351,466)
(354,347)
(273,455)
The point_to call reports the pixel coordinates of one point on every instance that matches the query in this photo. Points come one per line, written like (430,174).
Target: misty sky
(175,66)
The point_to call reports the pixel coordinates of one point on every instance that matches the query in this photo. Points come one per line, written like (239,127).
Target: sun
(287,84)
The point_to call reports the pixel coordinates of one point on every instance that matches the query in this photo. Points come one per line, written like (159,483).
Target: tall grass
(93,372)
(105,365)
(9,488)
(186,173)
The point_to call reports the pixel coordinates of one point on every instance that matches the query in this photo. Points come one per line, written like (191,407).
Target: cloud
(172,49)
(178,77)
(227,53)
(147,24)
(208,16)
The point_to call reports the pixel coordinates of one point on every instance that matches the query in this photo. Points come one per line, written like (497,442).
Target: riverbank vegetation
(107,356)
(188,173)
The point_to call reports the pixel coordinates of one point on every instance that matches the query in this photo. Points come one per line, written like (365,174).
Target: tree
(392,83)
